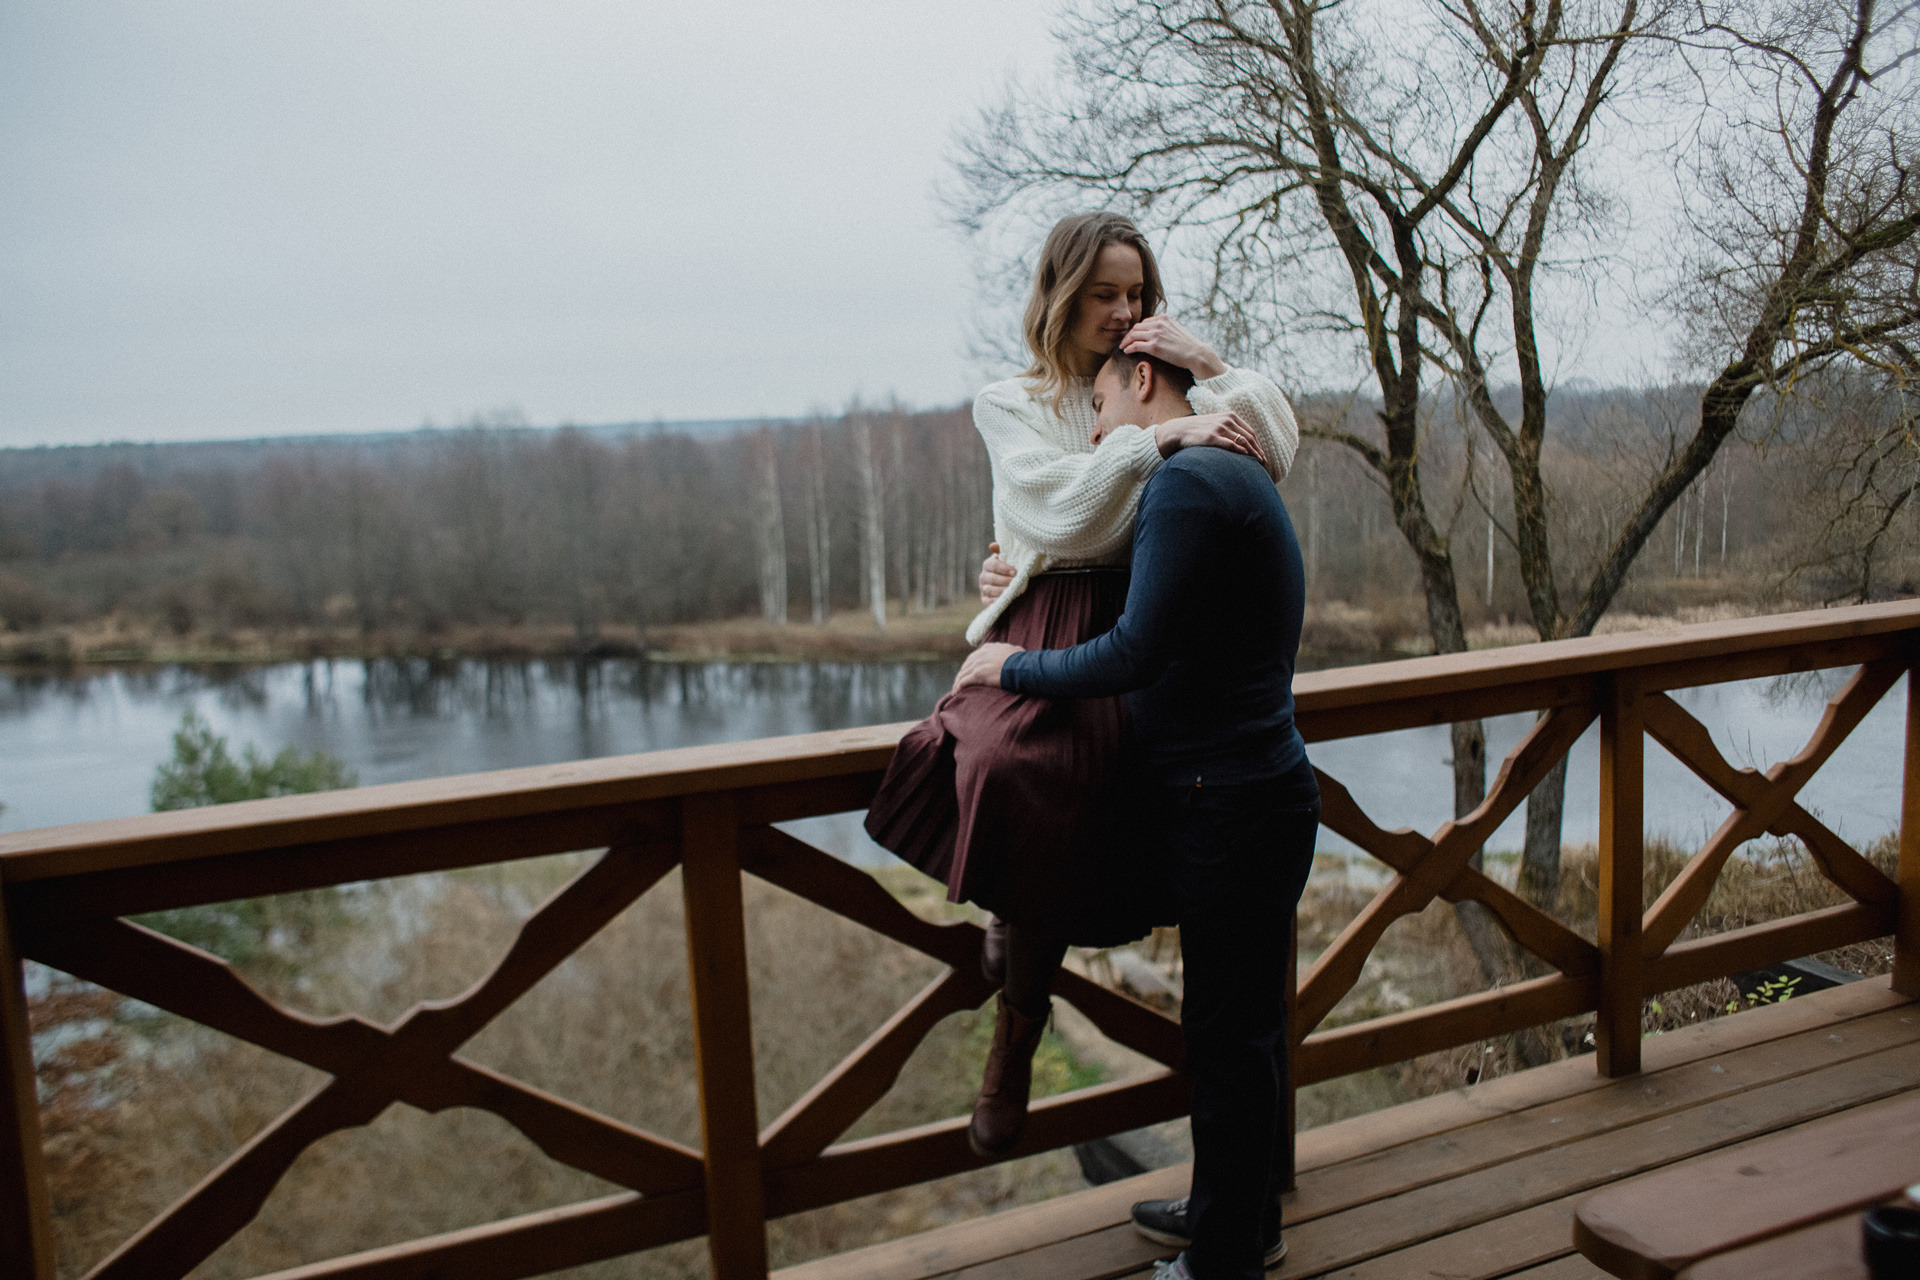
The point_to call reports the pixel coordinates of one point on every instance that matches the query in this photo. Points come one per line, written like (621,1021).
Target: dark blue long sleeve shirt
(1206,645)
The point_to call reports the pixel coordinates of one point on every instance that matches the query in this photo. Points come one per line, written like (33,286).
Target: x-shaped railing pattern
(414,1060)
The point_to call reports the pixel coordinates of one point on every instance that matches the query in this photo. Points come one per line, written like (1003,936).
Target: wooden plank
(26,1215)
(1739,950)
(1391,714)
(1653,1227)
(852,1169)
(392,808)
(1622,835)
(1571,1267)
(1406,1165)
(1906,947)
(723,1037)
(1497,1247)
(1828,1251)
(532,1244)
(165,886)
(1396,1037)
(1817,636)
(1380,1131)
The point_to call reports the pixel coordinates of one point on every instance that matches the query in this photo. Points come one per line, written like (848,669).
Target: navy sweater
(1207,643)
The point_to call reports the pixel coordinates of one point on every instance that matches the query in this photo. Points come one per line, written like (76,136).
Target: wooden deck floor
(1482,1182)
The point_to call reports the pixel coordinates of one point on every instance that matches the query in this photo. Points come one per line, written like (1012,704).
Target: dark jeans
(1240,856)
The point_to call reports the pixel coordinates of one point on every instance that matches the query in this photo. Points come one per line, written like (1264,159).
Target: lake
(80,746)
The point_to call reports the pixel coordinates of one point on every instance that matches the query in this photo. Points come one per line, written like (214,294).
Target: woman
(1013,801)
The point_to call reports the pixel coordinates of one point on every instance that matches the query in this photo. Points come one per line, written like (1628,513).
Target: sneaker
(1165,1222)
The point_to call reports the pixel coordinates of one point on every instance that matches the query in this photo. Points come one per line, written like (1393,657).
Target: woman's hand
(1209,430)
(983,665)
(996,575)
(1164,337)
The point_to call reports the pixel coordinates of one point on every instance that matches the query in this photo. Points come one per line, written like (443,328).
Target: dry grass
(848,636)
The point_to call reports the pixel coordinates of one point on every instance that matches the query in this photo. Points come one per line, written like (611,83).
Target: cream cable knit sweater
(1059,501)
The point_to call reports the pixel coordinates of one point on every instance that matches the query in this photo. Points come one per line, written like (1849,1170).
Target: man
(1205,649)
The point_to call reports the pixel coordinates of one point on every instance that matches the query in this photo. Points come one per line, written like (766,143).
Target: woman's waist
(1069,570)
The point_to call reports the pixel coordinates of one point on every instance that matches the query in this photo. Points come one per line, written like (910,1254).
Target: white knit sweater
(1058,501)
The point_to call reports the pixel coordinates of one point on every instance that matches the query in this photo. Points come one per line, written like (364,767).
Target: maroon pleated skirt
(1020,803)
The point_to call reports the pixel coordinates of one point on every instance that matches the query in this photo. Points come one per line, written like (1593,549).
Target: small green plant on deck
(1772,991)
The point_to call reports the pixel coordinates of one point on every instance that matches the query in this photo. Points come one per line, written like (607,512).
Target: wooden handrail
(64,893)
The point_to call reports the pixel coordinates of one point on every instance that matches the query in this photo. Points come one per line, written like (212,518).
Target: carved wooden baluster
(26,1219)
(723,1036)
(1622,835)
(1906,941)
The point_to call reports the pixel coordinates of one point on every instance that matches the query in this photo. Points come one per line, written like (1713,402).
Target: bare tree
(770,530)
(819,527)
(873,512)
(1323,169)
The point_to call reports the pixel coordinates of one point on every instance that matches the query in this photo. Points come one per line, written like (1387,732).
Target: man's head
(1138,390)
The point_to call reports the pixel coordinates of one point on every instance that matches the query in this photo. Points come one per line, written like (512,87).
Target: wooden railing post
(1616,1033)
(723,1036)
(26,1217)
(1906,939)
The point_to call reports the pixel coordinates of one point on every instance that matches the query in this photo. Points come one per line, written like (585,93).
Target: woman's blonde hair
(1066,260)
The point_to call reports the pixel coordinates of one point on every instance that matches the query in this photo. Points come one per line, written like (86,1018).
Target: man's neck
(1165,409)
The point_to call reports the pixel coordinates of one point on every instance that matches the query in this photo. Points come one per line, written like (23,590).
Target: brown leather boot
(993,952)
(1000,1112)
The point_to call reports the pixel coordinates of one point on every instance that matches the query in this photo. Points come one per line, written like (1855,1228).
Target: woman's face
(1107,305)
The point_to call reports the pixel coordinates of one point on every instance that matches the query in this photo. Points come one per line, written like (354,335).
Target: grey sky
(262,218)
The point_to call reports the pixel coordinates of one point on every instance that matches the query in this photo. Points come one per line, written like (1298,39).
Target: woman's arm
(1072,506)
(1219,388)
(1261,406)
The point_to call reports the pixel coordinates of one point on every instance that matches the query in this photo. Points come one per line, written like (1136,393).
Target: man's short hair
(1125,362)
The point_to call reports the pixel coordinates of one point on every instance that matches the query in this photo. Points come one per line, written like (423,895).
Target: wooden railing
(67,892)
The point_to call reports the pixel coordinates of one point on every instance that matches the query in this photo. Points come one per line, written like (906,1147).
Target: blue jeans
(1240,857)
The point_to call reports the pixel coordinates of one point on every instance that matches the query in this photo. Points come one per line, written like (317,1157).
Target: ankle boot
(993,952)
(1000,1112)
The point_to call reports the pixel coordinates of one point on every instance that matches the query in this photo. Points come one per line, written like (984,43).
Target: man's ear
(1143,377)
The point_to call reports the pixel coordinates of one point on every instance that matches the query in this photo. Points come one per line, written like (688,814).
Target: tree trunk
(770,528)
(873,542)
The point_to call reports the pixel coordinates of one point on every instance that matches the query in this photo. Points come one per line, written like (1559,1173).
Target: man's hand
(1163,337)
(983,665)
(996,575)
(1214,430)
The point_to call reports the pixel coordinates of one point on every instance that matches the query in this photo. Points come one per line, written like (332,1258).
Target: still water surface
(85,746)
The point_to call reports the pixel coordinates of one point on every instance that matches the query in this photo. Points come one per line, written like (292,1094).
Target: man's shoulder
(1220,470)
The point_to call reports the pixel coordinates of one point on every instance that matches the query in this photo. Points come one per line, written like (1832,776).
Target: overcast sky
(244,219)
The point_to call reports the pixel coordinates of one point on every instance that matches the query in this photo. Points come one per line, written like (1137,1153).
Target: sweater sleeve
(1070,506)
(1260,405)
(1177,528)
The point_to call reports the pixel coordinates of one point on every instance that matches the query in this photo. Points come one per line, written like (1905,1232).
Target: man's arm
(1175,532)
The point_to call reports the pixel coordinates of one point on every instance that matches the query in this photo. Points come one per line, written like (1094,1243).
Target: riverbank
(1335,634)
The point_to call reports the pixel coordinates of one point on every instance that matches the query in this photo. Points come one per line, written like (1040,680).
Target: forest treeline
(501,526)
(508,526)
